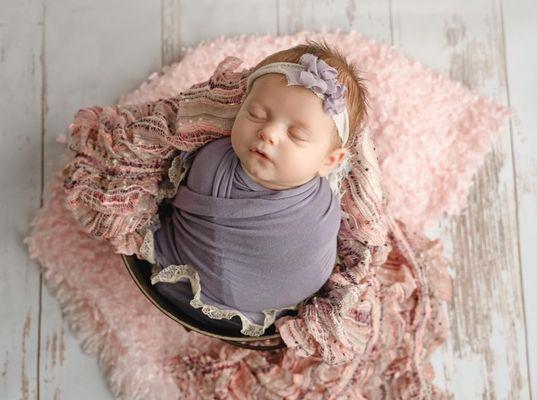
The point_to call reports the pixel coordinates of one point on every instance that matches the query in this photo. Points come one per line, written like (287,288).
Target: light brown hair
(348,74)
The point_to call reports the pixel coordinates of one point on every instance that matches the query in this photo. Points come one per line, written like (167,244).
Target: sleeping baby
(252,231)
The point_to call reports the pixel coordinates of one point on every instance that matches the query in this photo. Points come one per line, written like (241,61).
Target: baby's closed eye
(255,115)
(299,133)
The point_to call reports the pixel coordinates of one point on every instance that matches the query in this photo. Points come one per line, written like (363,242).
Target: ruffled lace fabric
(113,184)
(167,189)
(113,189)
(174,273)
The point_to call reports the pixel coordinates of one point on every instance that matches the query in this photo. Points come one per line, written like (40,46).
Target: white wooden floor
(59,56)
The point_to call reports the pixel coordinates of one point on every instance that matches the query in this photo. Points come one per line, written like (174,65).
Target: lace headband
(316,75)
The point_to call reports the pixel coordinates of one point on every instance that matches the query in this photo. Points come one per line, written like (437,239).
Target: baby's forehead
(265,96)
(265,91)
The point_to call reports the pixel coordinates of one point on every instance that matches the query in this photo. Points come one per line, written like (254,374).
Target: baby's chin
(259,181)
(273,184)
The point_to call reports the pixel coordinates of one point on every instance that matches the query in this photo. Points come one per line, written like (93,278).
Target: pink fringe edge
(134,373)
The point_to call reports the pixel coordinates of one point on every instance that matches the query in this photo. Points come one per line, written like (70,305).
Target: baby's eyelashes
(297,137)
(298,134)
(255,116)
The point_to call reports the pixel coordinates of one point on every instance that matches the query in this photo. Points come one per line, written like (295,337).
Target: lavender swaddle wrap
(253,248)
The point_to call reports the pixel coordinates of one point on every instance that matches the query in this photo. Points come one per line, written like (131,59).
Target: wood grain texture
(369,17)
(521,65)
(89,59)
(57,57)
(20,197)
(172,40)
(206,20)
(486,353)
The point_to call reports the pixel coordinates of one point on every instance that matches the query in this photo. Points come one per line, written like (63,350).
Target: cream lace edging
(174,273)
(176,173)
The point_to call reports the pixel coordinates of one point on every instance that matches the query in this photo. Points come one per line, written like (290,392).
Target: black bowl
(140,271)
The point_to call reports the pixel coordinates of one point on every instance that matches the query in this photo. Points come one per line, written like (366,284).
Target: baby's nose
(269,135)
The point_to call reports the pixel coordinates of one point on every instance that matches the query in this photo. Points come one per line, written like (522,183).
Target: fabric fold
(252,250)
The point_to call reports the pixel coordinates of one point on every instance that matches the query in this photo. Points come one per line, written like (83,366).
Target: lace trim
(176,173)
(147,249)
(174,273)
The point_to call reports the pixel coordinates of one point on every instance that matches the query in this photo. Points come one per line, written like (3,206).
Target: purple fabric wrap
(254,248)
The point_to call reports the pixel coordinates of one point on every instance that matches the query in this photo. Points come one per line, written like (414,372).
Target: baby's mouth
(260,154)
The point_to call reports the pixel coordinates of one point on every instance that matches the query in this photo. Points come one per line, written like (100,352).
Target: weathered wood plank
(485,356)
(520,32)
(172,39)
(369,17)
(205,20)
(21,81)
(90,59)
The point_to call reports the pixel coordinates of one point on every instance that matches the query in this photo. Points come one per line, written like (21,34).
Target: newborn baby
(252,233)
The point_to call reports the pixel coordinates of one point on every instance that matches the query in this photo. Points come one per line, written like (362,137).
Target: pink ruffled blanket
(430,135)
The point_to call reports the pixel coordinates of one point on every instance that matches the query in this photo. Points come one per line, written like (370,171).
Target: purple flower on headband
(322,78)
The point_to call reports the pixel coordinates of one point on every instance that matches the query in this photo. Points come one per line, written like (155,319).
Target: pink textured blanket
(430,135)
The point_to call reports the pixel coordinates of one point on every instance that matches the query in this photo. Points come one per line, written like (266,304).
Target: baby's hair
(348,74)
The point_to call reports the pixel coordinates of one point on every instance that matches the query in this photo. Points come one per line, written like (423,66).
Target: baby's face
(289,125)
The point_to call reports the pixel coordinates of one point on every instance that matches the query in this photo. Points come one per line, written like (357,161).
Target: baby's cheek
(295,167)
(240,128)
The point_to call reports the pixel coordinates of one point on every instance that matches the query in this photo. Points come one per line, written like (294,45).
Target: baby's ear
(332,160)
